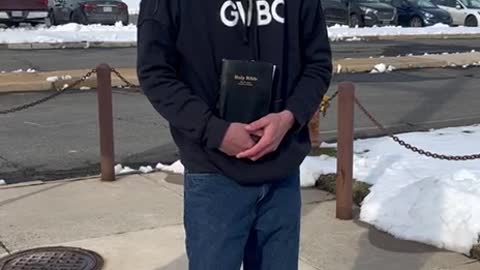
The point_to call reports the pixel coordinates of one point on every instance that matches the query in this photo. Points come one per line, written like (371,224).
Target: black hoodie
(181,44)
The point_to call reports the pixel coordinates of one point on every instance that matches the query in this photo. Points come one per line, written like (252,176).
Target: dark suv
(88,11)
(358,12)
(371,12)
(418,13)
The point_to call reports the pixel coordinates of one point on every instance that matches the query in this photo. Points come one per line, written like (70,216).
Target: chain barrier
(62,90)
(124,80)
(49,97)
(326,104)
(409,146)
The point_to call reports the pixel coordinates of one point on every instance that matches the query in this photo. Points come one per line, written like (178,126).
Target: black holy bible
(245,90)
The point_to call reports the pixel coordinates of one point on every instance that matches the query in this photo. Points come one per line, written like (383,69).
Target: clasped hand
(239,140)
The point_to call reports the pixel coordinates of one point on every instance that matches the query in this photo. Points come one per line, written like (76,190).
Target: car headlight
(369,10)
(428,15)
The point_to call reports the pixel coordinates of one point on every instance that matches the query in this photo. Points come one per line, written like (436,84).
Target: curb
(67,45)
(133,44)
(410,37)
(22,82)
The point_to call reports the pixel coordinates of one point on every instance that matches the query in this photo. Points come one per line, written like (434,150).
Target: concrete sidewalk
(18,82)
(136,223)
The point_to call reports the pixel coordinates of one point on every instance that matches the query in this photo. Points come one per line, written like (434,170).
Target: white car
(463,12)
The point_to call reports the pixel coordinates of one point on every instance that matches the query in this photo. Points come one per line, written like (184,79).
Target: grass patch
(327,182)
(318,151)
(475,252)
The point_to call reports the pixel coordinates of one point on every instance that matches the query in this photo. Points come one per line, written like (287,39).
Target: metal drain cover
(52,258)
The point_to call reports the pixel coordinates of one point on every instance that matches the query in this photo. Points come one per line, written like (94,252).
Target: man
(242,195)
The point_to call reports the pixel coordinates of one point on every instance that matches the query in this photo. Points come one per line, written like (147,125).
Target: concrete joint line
(4,247)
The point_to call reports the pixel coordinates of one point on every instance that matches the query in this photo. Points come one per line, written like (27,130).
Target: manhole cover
(52,258)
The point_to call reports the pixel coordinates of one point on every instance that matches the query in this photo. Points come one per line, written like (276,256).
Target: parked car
(336,11)
(419,13)
(371,12)
(14,12)
(463,12)
(88,11)
(358,12)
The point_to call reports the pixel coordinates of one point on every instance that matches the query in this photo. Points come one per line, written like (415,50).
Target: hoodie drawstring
(250,5)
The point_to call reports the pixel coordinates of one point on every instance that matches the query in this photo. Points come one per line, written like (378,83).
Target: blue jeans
(227,223)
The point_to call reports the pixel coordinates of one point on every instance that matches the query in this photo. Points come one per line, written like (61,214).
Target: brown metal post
(105,121)
(344,185)
(314,128)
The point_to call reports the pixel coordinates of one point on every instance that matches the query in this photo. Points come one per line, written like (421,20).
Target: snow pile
(176,167)
(145,169)
(341,32)
(414,197)
(313,167)
(119,169)
(119,33)
(382,68)
(69,33)
(2,182)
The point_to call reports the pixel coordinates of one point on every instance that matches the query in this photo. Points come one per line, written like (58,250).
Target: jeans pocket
(202,181)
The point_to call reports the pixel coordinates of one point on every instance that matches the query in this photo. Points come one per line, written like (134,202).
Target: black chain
(123,79)
(325,104)
(409,146)
(57,93)
(64,89)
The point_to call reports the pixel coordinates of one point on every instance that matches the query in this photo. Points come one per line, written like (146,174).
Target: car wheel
(416,22)
(12,24)
(471,21)
(355,20)
(51,18)
(78,17)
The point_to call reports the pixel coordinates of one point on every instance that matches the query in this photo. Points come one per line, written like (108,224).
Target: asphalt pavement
(47,60)
(59,139)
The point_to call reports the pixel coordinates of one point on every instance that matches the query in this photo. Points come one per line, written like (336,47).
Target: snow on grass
(56,78)
(313,167)
(119,33)
(419,198)
(413,197)
(52,79)
(382,68)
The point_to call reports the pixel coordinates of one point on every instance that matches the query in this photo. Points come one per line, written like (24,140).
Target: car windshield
(423,3)
(471,3)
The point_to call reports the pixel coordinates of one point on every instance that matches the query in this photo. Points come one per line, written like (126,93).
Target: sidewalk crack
(4,247)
